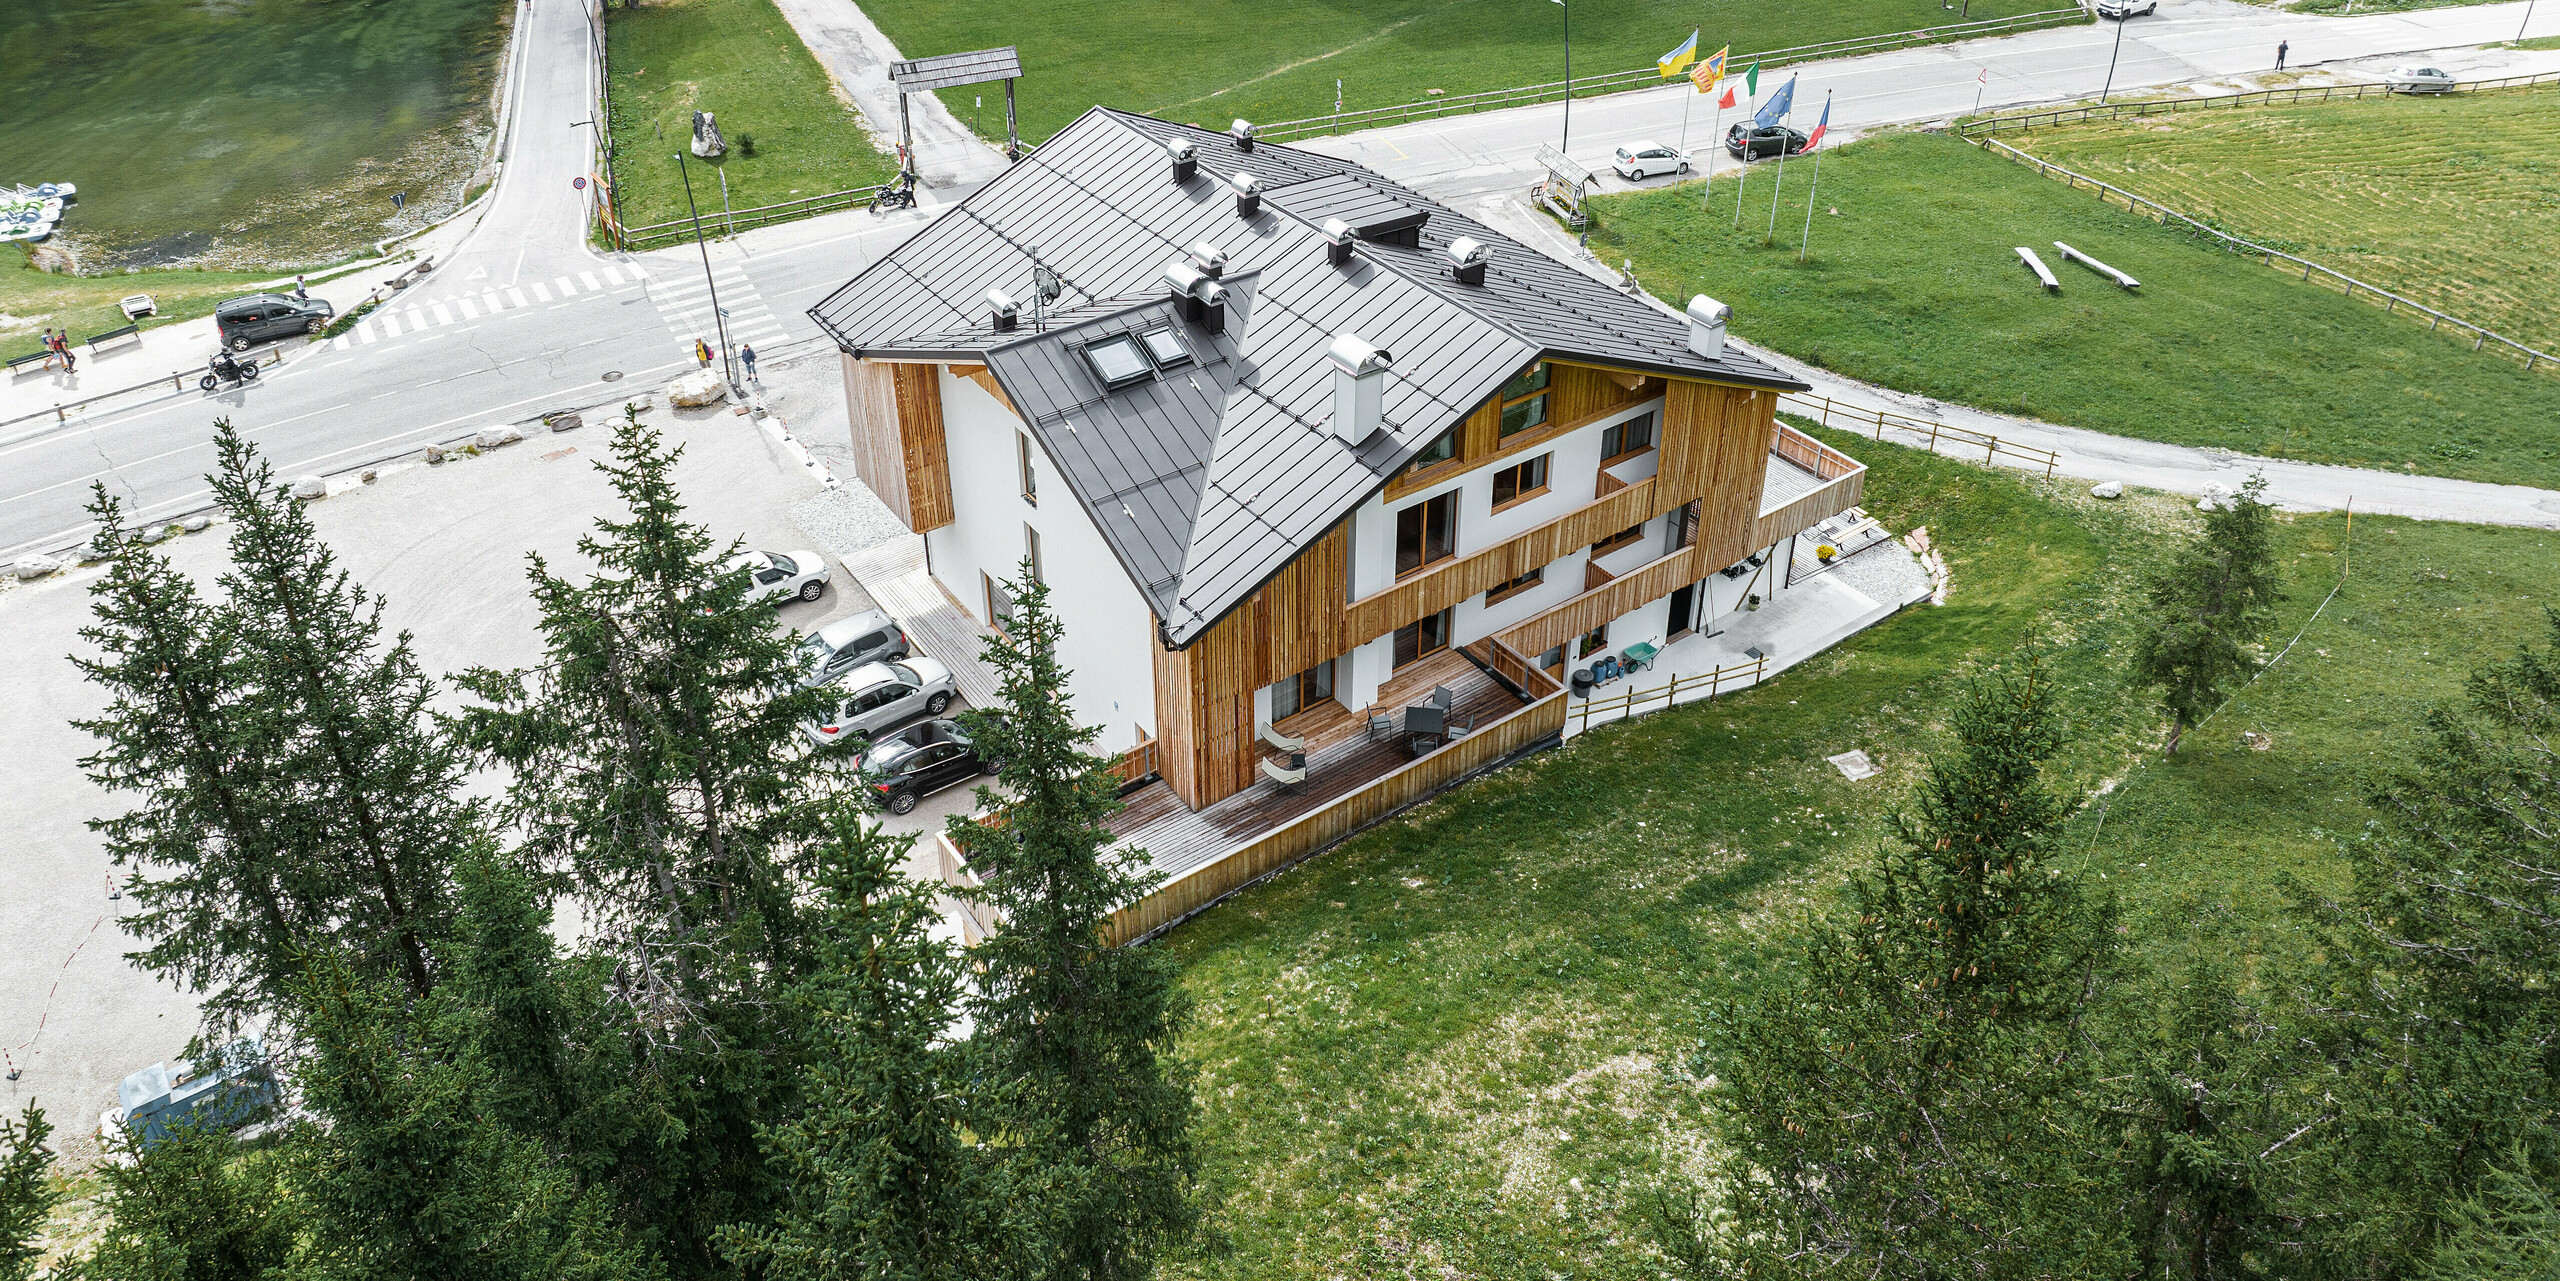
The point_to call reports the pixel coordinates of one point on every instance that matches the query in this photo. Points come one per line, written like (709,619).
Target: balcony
(1807,481)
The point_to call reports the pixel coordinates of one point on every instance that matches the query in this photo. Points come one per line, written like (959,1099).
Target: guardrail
(177,380)
(1990,125)
(1930,435)
(1623,706)
(2391,302)
(1651,75)
(651,235)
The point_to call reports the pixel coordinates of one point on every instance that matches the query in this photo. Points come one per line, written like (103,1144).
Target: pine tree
(197,1206)
(1095,1113)
(26,1192)
(2211,603)
(1888,1092)
(372,781)
(885,1186)
(224,902)
(2507,1231)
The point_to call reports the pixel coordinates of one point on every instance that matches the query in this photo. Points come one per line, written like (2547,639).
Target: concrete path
(2099,456)
(854,50)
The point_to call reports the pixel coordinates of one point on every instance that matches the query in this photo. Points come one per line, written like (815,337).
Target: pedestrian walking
(298,290)
(702,352)
(61,344)
(2281,47)
(747,357)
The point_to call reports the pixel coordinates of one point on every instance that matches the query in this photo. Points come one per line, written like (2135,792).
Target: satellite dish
(1045,283)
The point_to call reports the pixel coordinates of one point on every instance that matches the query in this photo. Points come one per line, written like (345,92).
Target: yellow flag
(1706,74)
(1672,62)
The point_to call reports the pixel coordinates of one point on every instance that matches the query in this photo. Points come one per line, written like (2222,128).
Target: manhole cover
(613,375)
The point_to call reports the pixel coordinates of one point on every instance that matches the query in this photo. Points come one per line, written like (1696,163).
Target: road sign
(579,182)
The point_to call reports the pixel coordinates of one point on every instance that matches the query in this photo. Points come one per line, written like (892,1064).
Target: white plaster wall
(1108,642)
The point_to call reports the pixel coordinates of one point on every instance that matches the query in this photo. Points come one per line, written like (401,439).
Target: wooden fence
(2390,301)
(1935,437)
(2021,121)
(1678,689)
(727,223)
(1136,765)
(1650,76)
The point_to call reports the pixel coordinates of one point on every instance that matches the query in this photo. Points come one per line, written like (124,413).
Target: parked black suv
(246,322)
(1747,141)
(920,760)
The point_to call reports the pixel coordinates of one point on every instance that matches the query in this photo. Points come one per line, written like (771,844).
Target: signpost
(578,183)
(949,70)
(1565,182)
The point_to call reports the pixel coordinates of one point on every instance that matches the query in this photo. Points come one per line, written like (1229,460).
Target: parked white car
(2122,9)
(781,576)
(875,696)
(1638,161)
(2418,80)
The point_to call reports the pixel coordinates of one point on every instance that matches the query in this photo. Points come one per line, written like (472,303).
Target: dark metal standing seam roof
(1211,476)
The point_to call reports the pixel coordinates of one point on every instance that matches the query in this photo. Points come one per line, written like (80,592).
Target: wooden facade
(898,445)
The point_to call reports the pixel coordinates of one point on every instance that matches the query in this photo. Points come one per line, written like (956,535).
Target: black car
(1747,141)
(924,758)
(246,322)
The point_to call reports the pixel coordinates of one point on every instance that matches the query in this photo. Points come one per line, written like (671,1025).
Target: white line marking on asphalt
(516,296)
(443,317)
(341,343)
(470,309)
(155,457)
(368,333)
(417,319)
(540,294)
(590,278)
(490,300)
(613,273)
(565,285)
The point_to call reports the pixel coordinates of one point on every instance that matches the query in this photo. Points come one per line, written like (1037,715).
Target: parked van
(246,322)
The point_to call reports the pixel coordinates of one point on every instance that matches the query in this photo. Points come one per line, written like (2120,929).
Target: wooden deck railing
(1136,764)
(1679,689)
(1812,455)
(1934,437)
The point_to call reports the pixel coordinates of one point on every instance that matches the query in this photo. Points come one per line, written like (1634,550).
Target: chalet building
(1290,442)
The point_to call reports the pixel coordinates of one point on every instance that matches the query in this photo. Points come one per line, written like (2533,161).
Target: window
(1592,642)
(1435,453)
(1552,660)
(1520,480)
(1295,694)
(1422,638)
(1165,349)
(1524,400)
(1516,586)
(999,604)
(1426,533)
(1031,550)
(1118,361)
(1022,460)
(1627,437)
(1617,540)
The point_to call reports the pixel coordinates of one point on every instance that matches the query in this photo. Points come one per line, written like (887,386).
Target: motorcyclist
(221,366)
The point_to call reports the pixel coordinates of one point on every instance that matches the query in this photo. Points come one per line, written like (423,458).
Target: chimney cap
(1244,183)
(1185,278)
(1241,130)
(1467,250)
(1338,231)
(1353,355)
(1002,302)
(1211,293)
(1210,258)
(1180,148)
(1707,311)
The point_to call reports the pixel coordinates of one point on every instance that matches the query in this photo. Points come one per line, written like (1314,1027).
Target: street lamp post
(2528,21)
(719,318)
(2111,62)
(1567,143)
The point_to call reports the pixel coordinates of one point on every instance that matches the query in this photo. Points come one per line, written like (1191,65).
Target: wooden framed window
(999,604)
(1524,400)
(1634,436)
(1516,586)
(1426,533)
(1592,642)
(1437,452)
(1617,540)
(1031,550)
(1524,479)
(1422,638)
(1295,694)
(1022,459)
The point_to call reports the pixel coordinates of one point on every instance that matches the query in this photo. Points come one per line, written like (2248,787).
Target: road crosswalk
(411,315)
(683,300)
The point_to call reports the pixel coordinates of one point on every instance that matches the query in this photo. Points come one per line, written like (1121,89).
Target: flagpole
(1744,180)
(1567,145)
(1774,192)
(1684,117)
(1813,197)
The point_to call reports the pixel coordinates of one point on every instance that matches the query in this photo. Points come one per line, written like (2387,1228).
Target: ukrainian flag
(1674,62)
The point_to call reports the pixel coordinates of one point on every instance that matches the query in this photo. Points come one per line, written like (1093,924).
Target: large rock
(310,487)
(495,436)
(36,566)
(197,522)
(2214,498)
(706,136)
(701,387)
(2107,489)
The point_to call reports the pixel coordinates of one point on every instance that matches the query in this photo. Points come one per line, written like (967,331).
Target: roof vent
(1242,132)
(1008,313)
(1359,387)
(1707,319)
(1204,300)
(1248,194)
(1184,278)
(1186,158)
(1338,238)
(1468,258)
(1211,260)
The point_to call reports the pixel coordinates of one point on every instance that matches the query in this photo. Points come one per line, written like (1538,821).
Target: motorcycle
(900,194)
(222,368)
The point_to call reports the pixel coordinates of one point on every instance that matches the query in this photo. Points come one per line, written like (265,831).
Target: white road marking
(443,317)
(565,285)
(540,294)
(613,273)
(491,301)
(470,309)
(590,278)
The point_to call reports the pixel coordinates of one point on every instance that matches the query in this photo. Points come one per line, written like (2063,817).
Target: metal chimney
(1339,238)
(1707,319)
(1468,257)
(1242,132)
(1008,313)
(1248,194)
(1210,259)
(1359,387)
(1186,159)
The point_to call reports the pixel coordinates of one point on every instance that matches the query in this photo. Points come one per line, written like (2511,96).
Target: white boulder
(36,566)
(2214,498)
(701,387)
(197,523)
(494,436)
(310,487)
(2107,489)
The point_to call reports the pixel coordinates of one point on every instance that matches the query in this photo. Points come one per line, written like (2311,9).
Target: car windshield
(783,563)
(906,674)
(814,650)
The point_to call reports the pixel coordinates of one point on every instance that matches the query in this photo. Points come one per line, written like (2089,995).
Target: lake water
(245,132)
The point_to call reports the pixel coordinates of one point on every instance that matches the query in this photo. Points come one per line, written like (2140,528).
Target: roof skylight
(1166,349)
(1118,360)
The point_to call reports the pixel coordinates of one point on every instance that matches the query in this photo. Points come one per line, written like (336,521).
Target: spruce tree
(2208,606)
(197,1206)
(224,902)
(885,1187)
(1094,1113)
(2507,1231)
(26,1191)
(372,781)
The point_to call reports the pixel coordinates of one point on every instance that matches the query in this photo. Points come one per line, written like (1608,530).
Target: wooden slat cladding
(1642,585)
(1577,395)
(1204,712)
(1806,512)
(1300,611)
(926,455)
(1437,589)
(1716,447)
(879,453)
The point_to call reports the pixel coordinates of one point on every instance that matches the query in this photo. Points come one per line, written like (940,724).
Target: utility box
(227,1091)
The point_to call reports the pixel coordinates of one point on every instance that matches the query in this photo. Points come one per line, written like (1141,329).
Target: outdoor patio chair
(1286,776)
(1381,725)
(1441,697)
(1279,742)
(1460,729)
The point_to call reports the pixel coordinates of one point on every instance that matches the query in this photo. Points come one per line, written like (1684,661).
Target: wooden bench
(31,361)
(122,333)
(2097,266)
(2036,265)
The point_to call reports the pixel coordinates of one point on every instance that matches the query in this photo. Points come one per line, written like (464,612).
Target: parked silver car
(849,642)
(2418,80)
(781,576)
(872,698)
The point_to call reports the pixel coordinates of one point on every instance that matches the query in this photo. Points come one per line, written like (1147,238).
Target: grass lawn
(86,305)
(1464,1039)
(2452,201)
(1914,285)
(738,60)
(1210,61)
